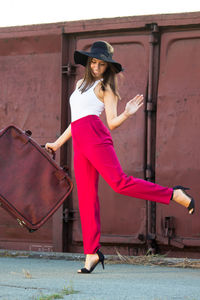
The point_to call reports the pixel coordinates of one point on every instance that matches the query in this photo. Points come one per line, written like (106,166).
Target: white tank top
(85,104)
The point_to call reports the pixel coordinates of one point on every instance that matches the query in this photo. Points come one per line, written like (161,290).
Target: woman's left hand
(133,105)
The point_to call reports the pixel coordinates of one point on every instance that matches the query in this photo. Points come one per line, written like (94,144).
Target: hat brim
(81,57)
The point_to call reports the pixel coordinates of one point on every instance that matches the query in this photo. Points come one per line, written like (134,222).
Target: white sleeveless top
(85,104)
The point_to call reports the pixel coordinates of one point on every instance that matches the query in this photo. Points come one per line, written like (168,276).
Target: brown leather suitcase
(32,185)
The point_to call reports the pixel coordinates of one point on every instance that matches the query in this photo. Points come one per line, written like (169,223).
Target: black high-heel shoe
(191,207)
(101,260)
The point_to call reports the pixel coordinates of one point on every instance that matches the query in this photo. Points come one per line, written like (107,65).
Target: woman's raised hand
(133,105)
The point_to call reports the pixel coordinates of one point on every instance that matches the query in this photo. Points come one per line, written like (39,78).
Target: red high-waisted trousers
(94,154)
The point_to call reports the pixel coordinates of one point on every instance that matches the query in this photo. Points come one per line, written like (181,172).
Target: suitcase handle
(52,152)
(65,168)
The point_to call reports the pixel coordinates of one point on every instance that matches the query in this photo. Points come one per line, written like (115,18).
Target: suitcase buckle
(21,223)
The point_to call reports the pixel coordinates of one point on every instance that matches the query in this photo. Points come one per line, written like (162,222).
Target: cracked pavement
(24,278)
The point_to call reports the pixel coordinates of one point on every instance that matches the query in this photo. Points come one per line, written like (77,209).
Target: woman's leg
(104,159)
(87,186)
(101,153)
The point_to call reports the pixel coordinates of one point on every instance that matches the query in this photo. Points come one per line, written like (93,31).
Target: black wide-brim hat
(99,50)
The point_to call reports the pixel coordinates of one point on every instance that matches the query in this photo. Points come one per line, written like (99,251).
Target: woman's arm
(60,141)
(110,101)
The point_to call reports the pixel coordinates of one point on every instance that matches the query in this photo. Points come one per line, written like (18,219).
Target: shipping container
(160,56)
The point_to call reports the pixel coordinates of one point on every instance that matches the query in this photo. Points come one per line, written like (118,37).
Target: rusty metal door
(124,219)
(30,98)
(177,139)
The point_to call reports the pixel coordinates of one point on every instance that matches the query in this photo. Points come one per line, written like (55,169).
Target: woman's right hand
(51,147)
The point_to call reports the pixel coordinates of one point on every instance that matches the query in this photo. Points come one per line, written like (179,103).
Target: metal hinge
(169,233)
(169,227)
(154,38)
(151,26)
(69,70)
(149,174)
(150,106)
(68,215)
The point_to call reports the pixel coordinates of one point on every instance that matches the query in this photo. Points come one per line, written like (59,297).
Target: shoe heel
(102,262)
(101,258)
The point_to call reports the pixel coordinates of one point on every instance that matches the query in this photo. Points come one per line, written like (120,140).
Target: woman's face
(98,67)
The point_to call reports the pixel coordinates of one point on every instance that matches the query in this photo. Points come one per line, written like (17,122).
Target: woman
(93,147)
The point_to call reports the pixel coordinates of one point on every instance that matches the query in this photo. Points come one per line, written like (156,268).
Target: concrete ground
(24,278)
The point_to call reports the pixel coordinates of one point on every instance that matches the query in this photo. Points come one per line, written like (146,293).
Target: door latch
(68,215)
(169,227)
(69,70)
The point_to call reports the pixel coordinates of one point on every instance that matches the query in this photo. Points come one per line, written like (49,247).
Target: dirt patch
(154,260)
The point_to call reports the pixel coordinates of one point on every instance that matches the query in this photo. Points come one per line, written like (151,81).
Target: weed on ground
(60,295)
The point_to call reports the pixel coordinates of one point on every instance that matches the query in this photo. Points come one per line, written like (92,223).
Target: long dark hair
(109,78)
